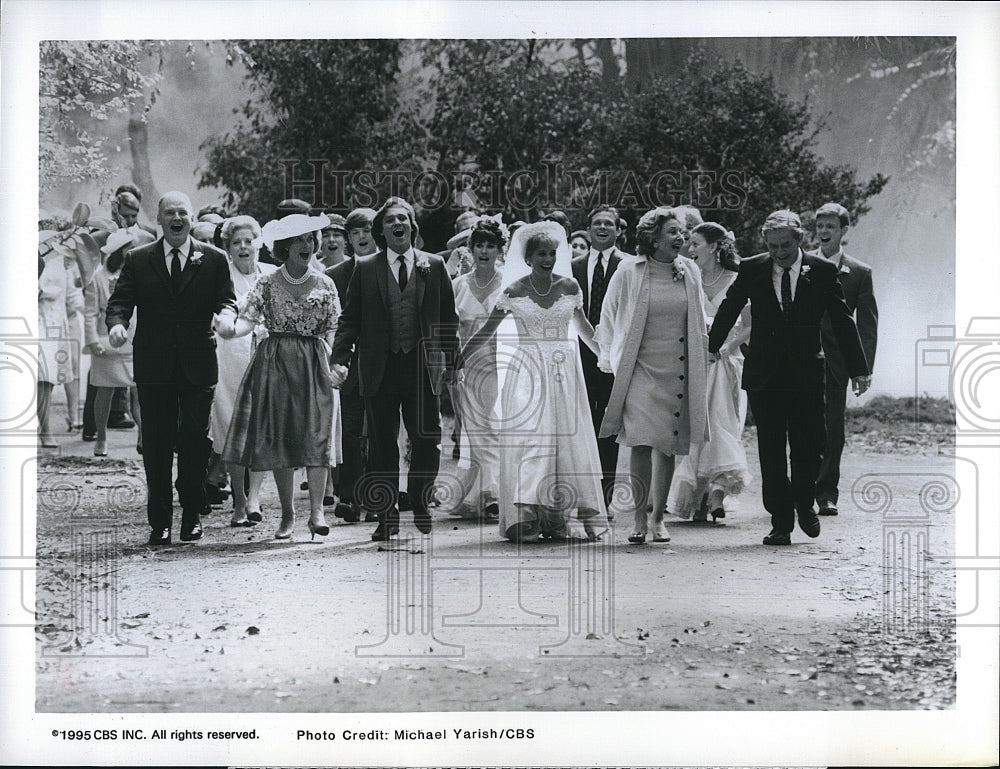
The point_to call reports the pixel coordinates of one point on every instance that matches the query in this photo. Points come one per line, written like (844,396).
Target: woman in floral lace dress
(550,471)
(286,408)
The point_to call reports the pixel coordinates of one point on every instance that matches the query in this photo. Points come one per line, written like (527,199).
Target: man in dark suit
(789,292)
(400,312)
(358,226)
(832,221)
(593,272)
(180,286)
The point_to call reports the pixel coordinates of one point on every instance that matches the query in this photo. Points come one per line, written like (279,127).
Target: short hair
(560,218)
(713,233)
(279,251)
(580,234)
(238,223)
(487,230)
(211,208)
(131,189)
(175,194)
(380,214)
(536,240)
(649,224)
(835,209)
(783,220)
(601,209)
(359,217)
(292,206)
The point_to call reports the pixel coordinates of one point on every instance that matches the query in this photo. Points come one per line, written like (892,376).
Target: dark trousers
(793,420)
(351,470)
(829,470)
(405,387)
(599,385)
(119,405)
(175,414)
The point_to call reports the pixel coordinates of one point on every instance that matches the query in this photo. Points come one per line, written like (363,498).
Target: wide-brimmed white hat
(291,226)
(124,237)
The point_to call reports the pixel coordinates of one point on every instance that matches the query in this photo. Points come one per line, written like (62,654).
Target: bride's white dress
(550,471)
(721,464)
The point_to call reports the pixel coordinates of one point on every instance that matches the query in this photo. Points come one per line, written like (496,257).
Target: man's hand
(96,348)
(225,328)
(338,374)
(117,335)
(860,384)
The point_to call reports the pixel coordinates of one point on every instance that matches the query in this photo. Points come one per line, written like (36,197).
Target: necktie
(402,274)
(786,293)
(597,291)
(175,271)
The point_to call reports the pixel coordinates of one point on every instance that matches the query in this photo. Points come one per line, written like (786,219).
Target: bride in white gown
(550,471)
(713,471)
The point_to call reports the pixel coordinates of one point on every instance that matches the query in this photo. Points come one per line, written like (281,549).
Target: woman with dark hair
(579,243)
(653,339)
(286,413)
(715,470)
(474,399)
(550,470)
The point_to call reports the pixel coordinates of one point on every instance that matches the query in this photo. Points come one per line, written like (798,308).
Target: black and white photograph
(500,383)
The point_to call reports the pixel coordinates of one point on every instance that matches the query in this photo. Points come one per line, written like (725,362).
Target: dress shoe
(827,508)
(492,512)
(122,423)
(809,523)
(216,494)
(422,520)
(159,537)
(89,437)
(317,528)
(255,516)
(778,538)
(328,500)
(404,501)
(371,517)
(192,534)
(383,532)
(349,511)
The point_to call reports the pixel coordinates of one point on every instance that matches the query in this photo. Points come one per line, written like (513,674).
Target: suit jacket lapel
(158,255)
(767,286)
(418,275)
(192,266)
(382,277)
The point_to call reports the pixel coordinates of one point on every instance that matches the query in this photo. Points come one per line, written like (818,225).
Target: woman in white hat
(286,413)
(110,367)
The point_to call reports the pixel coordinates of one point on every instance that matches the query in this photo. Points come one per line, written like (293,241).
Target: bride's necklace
(295,281)
(487,283)
(532,282)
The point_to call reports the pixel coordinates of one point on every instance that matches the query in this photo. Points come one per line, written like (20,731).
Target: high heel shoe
(101,449)
(637,539)
(317,528)
(718,513)
(282,532)
(660,533)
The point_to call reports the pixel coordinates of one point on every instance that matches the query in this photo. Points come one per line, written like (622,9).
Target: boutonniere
(424,265)
(678,271)
(195,258)
(845,269)
(805,269)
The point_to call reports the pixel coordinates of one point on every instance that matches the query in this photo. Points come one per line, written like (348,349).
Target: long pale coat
(623,320)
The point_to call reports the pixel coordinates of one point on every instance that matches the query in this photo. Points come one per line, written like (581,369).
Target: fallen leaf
(253,630)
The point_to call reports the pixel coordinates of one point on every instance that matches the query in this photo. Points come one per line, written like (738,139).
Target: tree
(82,84)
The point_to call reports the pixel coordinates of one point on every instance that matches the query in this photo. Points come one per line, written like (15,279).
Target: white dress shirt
(394,262)
(777,270)
(592,265)
(184,250)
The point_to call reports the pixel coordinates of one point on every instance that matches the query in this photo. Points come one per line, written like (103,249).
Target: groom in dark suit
(400,313)
(789,292)
(180,286)
(593,272)
(832,221)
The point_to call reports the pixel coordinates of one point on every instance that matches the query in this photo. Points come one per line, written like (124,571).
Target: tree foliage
(83,84)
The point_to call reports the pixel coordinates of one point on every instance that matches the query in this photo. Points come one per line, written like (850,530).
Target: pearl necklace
(295,281)
(532,282)
(487,283)
(722,271)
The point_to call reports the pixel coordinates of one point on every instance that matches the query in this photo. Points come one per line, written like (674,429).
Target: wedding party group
(555,349)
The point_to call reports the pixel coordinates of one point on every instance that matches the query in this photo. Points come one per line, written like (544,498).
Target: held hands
(225,327)
(339,374)
(117,335)
(860,384)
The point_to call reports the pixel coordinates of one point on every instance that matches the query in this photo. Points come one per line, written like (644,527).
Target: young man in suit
(789,292)
(832,221)
(593,272)
(181,287)
(400,312)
